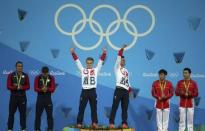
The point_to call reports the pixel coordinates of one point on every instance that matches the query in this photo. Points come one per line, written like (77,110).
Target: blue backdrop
(173,38)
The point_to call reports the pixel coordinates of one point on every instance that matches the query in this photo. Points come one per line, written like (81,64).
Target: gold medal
(18,78)
(162,87)
(45,82)
(186,87)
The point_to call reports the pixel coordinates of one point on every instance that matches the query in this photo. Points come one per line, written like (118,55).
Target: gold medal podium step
(100,128)
(104,128)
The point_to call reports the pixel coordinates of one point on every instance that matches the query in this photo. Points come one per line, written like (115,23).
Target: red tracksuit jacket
(38,84)
(12,82)
(158,90)
(189,87)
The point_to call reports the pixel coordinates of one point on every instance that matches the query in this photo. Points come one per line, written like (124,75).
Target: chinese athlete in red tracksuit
(89,83)
(44,85)
(162,91)
(187,90)
(122,90)
(18,83)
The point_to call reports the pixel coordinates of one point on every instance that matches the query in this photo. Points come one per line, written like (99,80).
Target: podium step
(101,128)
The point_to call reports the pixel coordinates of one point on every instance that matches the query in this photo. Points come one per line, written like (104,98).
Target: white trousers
(189,114)
(162,119)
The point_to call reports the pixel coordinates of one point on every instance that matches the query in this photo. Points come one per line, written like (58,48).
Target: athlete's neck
(45,75)
(162,80)
(187,79)
(122,66)
(19,72)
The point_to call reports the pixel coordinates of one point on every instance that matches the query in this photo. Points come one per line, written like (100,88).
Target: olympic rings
(108,32)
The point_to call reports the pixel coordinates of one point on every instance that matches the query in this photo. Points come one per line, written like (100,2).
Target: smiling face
(122,62)
(89,62)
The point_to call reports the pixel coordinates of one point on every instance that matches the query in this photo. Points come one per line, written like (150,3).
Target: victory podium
(101,128)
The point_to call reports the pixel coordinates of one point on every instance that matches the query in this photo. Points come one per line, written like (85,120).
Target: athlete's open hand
(72,50)
(124,46)
(104,49)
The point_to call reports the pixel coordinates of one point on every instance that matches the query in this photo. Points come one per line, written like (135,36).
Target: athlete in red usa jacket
(89,84)
(162,91)
(44,85)
(18,83)
(186,89)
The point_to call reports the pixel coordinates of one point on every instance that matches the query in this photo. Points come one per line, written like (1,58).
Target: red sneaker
(124,125)
(79,125)
(95,125)
(111,126)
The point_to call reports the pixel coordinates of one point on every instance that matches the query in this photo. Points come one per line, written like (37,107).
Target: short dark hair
(187,69)
(44,69)
(19,62)
(89,58)
(162,71)
(122,56)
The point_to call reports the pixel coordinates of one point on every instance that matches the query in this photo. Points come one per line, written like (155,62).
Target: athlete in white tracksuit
(89,84)
(121,93)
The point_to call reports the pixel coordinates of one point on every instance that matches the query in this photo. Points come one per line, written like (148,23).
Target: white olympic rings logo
(93,23)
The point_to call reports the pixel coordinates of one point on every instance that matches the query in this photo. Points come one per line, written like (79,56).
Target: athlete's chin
(122,65)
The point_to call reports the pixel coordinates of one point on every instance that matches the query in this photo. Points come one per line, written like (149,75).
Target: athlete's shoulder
(180,81)
(193,81)
(24,74)
(169,82)
(155,82)
(51,76)
(38,76)
(12,73)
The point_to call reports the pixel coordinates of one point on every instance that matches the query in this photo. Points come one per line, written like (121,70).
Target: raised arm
(120,54)
(102,59)
(77,61)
